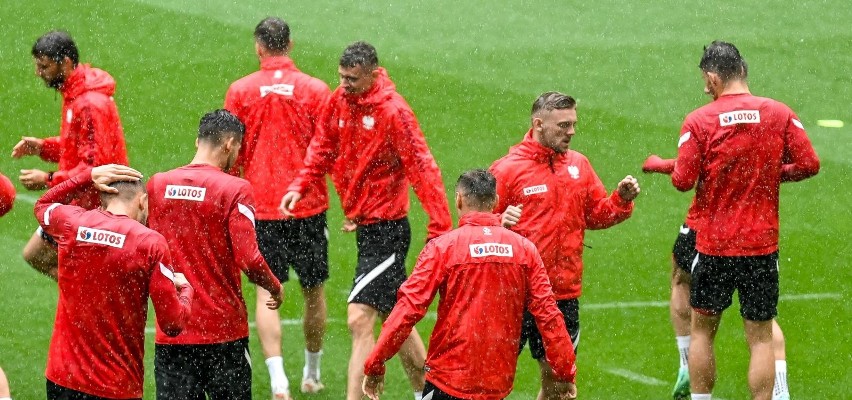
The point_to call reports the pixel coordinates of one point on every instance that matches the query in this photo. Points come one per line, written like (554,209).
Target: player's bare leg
(681,314)
(780,391)
(413,357)
(548,389)
(361,320)
(761,369)
(702,361)
(314,321)
(4,386)
(40,255)
(269,333)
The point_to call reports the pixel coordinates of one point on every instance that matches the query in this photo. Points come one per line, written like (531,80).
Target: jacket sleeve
(91,142)
(504,194)
(51,149)
(688,162)
(413,300)
(321,153)
(244,243)
(421,170)
(800,159)
(558,348)
(602,210)
(172,306)
(51,211)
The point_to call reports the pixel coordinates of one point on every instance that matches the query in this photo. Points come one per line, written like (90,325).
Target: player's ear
(289,46)
(258,49)
(458,201)
(196,143)
(536,124)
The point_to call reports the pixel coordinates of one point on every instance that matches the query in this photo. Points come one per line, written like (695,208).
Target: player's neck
(204,156)
(117,208)
(735,87)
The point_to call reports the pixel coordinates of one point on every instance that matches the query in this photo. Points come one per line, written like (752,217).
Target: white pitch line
(659,304)
(636,377)
(26,198)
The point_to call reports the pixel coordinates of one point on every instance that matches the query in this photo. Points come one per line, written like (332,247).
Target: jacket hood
(382,89)
(531,149)
(87,79)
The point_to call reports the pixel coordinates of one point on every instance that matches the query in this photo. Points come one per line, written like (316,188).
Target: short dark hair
(724,59)
(479,188)
(360,53)
(273,34)
(56,45)
(217,125)
(550,101)
(127,191)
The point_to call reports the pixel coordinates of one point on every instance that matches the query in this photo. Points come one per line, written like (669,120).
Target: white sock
(277,376)
(5,398)
(312,365)
(418,395)
(701,396)
(780,379)
(683,349)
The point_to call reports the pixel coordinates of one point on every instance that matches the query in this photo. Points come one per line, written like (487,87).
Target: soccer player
(109,264)
(207,218)
(5,393)
(90,132)
(561,197)
(7,195)
(280,106)
(683,254)
(369,139)
(736,151)
(487,276)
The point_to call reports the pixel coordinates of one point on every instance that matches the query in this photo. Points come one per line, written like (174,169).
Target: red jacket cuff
(620,202)
(51,149)
(372,368)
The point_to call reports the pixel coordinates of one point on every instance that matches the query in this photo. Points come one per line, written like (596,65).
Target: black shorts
(188,372)
(382,248)
(47,238)
(430,392)
(529,330)
(755,278)
(56,392)
(684,249)
(302,243)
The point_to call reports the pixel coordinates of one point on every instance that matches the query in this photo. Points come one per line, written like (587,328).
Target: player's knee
(360,322)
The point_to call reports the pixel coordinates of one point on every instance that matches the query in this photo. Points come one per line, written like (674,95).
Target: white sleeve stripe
(247,211)
(167,272)
(47,213)
(798,123)
(683,139)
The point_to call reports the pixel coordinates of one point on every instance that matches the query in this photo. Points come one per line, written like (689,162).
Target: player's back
(104,274)
(191,207)
(476,337)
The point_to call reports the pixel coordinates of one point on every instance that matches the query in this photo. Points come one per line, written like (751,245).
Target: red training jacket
(280,106)
(7,195)
(90,132)
(738,149)
(108,267)
(207,217)
(373,147)
(562,197)
(486,275)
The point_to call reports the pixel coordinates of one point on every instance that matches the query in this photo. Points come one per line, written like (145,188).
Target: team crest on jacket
(369,122)
(491,249)
(99,236)
(340,123)
(68,116)
(486,231)
(574,171)
(178,192)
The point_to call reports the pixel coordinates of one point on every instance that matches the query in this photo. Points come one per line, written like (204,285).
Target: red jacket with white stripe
(108,267)
(562,197)
(207,218)
(373,147)
(736,151)
(90,133)
(280,106)
(486,276)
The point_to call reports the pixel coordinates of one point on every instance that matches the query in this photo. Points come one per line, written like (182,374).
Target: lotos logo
(185,192)
(739,117)
(98,236)
(491,249)
(281,89)
(535,189)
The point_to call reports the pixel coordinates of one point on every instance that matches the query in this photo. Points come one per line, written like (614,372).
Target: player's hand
(511,216)
(105,175)
(628,188)
(27,146)
(656,164)
(565,390)
(275,300)
(180,281)
(348,226)
(33,179)
(288,203)
(373,386)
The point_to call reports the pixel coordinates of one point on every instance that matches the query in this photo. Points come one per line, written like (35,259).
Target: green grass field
(471,70)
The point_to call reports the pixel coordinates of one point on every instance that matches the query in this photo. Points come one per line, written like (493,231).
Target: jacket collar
(87,79)
(477,218)
(277,62)
(532,149)
(382,89)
